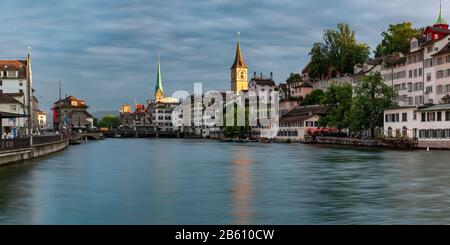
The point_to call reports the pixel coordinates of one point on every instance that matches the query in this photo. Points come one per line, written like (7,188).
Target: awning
(11,115)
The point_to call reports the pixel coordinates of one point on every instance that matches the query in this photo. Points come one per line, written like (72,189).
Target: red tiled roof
(14,65)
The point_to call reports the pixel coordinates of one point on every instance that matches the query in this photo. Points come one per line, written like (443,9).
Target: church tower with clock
(239,71)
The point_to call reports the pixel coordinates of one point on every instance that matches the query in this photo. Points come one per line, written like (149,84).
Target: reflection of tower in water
(242,186)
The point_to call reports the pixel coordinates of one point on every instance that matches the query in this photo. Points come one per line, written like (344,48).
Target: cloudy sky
(105,51)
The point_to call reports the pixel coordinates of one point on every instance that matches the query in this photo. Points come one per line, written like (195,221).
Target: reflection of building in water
(242,188)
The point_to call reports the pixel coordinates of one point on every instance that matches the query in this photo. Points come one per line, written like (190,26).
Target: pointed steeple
(238,60)
(159,91)
(440,20)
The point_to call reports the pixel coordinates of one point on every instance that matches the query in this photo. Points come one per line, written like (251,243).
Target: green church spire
(440,20)
(159,91)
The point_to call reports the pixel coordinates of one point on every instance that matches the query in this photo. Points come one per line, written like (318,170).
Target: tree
(313,98)
(109,121)
(372,97)
(293,78)
(338,103)
(344,52)
(339,50)
(396,39)
(318,67)
(231,131)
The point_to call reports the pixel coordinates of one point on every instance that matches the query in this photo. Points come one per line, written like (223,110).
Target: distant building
(420,75)
(293,126)
(155,115)
(9,104)
(41,120)
(16,80)
(71,113)
(301,90)
(430,125)
(239,72)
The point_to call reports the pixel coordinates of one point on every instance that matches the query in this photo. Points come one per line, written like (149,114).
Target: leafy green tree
(232,131)
(372,97)
(344,52)
(318,67)
(314,98)
(109,121)
(396,39)
(293,78)
(339,49)
(338,103)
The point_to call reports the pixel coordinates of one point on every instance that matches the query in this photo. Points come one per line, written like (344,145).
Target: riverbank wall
(387,143)
(35,151)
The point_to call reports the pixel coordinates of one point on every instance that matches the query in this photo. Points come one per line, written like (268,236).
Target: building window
(447,116)
(439,116)
(423,117)
(404,117)
(12,73)
(428,77)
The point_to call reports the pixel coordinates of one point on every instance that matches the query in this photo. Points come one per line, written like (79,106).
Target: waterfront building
(294,125)
(239,71)
(420,75)
(159,111)
(16,80)
(10,105)
(429,125)
(41,120)
(71,113)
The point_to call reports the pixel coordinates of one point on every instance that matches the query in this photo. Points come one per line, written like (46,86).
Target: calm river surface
(177,181)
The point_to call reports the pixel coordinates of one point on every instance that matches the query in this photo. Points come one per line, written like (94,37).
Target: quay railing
(24,142)
(14,144)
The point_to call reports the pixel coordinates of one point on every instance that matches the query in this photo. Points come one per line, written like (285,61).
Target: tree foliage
(109,121)
(318,67)
(372,97)
(314,98)
(293,78)
(235,130)
(339,49)
(338,103)
(396,39)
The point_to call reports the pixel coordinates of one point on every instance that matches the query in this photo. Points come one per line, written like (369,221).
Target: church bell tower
(239,71)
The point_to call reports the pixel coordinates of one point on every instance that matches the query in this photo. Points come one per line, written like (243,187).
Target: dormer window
(12,73)
(414,45)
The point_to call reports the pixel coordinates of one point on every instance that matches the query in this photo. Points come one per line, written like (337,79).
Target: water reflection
(170,181)
(242,188)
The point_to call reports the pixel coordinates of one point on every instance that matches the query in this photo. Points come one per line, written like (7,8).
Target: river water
(180,181)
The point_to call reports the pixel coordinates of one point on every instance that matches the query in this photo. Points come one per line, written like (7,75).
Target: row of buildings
(421,77)
(19,106)
(158,114)
(20,112)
